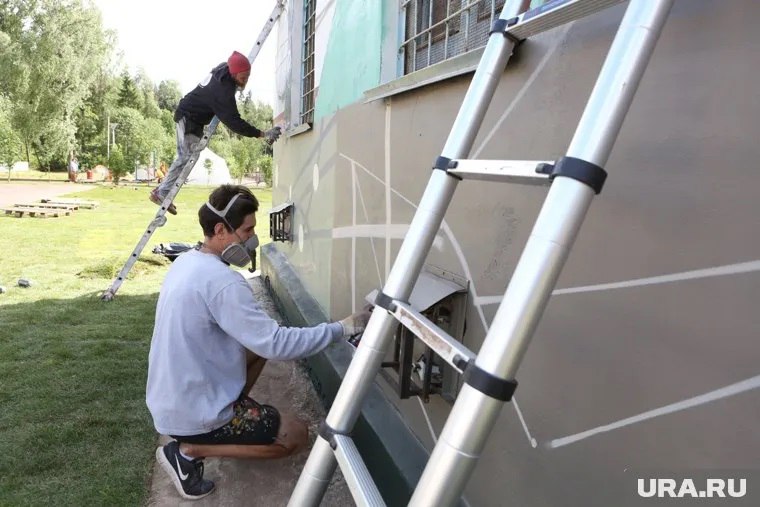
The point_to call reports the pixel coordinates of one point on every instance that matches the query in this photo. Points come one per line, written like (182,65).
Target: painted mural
(647,354)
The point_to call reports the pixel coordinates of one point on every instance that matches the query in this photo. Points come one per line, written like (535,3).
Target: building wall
(656,305)
(352,57)
(303,175)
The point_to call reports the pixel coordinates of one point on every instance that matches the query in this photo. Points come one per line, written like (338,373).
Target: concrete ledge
(393,454)
(441,71)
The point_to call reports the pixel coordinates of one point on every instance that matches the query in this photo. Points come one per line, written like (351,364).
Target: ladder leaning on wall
(160,219)
(489,376)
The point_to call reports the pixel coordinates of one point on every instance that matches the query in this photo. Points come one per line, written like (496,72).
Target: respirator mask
(241,253)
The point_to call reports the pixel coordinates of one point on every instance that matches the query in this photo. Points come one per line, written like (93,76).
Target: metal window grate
(307,61)
(436,30)
(281,222)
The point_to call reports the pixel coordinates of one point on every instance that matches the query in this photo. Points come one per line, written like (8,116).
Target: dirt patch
(21,193)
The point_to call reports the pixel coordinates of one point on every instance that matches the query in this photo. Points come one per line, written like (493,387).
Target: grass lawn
(74,429)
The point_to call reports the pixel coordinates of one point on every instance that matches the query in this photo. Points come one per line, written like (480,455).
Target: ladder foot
(159,221)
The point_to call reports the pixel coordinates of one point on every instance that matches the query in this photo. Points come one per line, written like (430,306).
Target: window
(281,222)
(412,368)
(436,30)
(307,61)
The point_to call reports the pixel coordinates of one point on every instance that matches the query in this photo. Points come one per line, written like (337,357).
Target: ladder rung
(556,13)
(509,171)
(357,476)
(443,344)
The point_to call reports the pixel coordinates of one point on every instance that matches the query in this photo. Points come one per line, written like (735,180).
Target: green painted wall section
(352,62)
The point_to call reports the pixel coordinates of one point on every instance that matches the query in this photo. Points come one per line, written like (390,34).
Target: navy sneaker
(187,475)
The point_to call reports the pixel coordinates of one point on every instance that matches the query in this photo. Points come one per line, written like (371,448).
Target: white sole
(169,469)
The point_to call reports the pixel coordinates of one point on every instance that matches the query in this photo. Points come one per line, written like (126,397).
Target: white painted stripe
(427,419)
(366,218)
(473,290)
(391,231)
(388,210)
(525,87)
(533,441)
(353,239)
(724,392)
(478,301)
(729,269)
(370,173)
(466,268)
(488,300)
(452,239)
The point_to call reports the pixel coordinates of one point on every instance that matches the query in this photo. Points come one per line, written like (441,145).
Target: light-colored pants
(184,149)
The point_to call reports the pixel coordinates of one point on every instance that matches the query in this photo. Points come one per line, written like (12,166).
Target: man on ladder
(211,101)
(214,96)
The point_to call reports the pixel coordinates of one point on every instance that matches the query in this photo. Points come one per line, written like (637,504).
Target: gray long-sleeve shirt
(205,319)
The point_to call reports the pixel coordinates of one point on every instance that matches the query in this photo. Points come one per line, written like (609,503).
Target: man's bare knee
(191,450)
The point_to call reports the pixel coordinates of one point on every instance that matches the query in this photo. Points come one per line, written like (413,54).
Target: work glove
(272,134)
(356,322)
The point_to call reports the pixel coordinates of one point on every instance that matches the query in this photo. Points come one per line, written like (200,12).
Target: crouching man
(211,341)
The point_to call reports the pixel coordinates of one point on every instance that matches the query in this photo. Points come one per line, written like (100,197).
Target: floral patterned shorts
(251,424)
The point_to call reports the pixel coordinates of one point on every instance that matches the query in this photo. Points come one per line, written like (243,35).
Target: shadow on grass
(108,268)
(74,429)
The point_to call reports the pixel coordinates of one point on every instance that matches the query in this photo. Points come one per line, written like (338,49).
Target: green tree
(154,139)
(119,164)
(93,118)
(245,155)
(51,51)
(168,95)
(147,92)
(264,164)
(255,112)
(167,121)
(128,94)
(9,142)
(130,134)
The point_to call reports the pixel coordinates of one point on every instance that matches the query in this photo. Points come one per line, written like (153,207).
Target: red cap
(238,63)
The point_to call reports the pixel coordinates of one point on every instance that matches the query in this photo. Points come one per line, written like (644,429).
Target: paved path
(20,193)
(265,483)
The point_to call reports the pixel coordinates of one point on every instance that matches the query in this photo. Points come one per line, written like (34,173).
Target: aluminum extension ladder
(489,376)
(160,219)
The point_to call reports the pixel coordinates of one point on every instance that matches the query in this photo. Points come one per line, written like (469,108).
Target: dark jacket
(214,96)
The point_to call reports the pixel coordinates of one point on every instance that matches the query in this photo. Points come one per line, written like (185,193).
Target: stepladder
(490,374)
(159,219)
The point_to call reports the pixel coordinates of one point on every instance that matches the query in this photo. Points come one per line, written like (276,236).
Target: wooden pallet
(52,205)
(82,203)
(36,212)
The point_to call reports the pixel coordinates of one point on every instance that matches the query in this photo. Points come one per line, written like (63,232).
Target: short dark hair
(245,205)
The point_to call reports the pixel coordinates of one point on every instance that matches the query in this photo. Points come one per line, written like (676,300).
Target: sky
(184,39)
